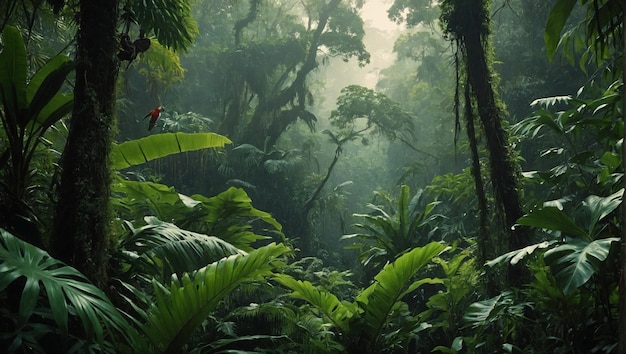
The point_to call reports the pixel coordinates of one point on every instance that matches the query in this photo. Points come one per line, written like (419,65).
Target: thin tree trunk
(309,202)
(622,283)
(82,215)
(483,209)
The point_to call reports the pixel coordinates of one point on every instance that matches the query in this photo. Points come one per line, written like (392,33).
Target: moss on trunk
(82,215)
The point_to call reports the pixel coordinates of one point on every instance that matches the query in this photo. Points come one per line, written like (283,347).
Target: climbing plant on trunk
(80,229)
(82,213)
(467,24)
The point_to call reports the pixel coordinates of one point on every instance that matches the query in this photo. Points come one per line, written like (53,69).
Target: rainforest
(312,176)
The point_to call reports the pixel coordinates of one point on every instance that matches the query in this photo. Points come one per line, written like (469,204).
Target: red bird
(154,115)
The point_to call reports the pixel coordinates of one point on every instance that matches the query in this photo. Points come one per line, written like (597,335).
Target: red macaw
(154,115)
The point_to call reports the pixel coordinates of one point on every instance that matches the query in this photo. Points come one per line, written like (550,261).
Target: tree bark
(483,209)
(502,171)
(80,233)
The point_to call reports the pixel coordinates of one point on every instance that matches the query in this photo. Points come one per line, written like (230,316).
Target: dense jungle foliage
(312,176)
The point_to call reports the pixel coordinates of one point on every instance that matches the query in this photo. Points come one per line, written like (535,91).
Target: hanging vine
(467,24)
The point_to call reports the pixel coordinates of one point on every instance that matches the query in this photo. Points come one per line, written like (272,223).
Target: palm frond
(161,249)
(171,21)
(338,312)
(229,216)
(181,307)
(392,283)
(67,290)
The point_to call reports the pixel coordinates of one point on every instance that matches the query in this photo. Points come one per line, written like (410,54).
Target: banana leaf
(140,151)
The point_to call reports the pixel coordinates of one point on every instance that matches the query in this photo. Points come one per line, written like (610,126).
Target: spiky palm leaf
(229,216)
(386,235)
(380,299)
(338,312)
(183,305)
(363,321)
(170,20)
(67,291)
(162,249)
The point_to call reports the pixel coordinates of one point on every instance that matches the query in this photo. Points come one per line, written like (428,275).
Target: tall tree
(80,232)
(82,214)
(267,70)
(467,23)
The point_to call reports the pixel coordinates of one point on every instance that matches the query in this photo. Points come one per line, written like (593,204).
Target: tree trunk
(622,282)
(257,131)
(81,229)
(502,171)
(483,209)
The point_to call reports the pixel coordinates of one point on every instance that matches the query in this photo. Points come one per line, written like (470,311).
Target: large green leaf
(181,308)
(339,313)
(43,88)
(482,313)
(136,199)
(13,73)
(391,284)
(575,262)
(229,216)
(137,152)
(556,20)
(515,256)
(67,290)
(597,208)
(552,218)
(29,106)
(162,249)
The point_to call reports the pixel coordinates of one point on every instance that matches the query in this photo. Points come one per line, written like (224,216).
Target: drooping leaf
(484,312)
(137,152)
(576,261)
(556,21)
(515,256)
(170,20)
(136,199)
(162,249)
(228,215)
(552,218)
(339,313)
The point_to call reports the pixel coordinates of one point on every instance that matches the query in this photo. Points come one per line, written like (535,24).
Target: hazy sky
(375,12)
(380,35)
